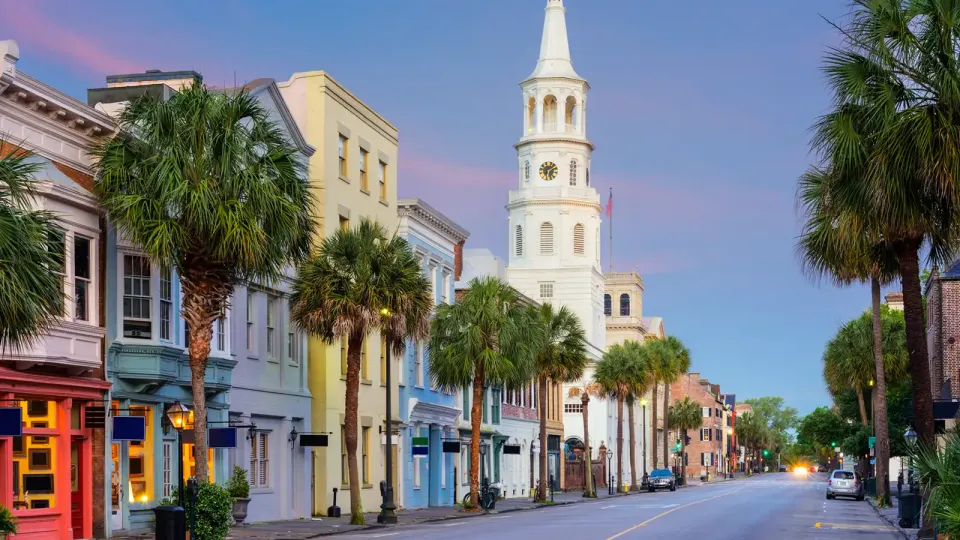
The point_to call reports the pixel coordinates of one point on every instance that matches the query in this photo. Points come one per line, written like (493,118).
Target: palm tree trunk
(476,415)
(588,490)
(619,441)
(656,446)
(666,422)
(916,341)
(880,395)
(863,407)
(542,490)
(351,426)
(633,448)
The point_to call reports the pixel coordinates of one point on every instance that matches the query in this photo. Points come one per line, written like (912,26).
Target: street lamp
(730,453)
(388,509)
(484,447)
(178,415)
(643,427)
(609,470)
(910,435)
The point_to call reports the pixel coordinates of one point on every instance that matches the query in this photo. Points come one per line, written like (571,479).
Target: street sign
(129,428)
(511,449)
(872,450)
(873,462)
(222,437)
(872,442)
(11,422)
(451,447)
(420,446)
(313,439)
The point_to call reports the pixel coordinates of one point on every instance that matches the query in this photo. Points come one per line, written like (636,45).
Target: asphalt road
(774,506)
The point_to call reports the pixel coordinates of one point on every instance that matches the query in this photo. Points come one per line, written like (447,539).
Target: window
(607,305)
(418,366)
(588,176)
(705,434)
(344,223)
(483,418)
(259,460)
(706,459)
(624,305)
(137,323)
(573,408)
(546,290)
(518,245)
(81,277)
(495,405)
(35,455)
(578,248)
(342,152)
(249,320)
(383,360)
(526,170)
(221,333)
(445,293)
(344,477)
(291,343)
(166,303)
(466,403)
(56,244)
(343,358)
(383,181)
(167,469)
(573,172)
(546,238)
(364,364)
(140,459)
(364,183)
(365,455)
(705,411)
(271,327)
(433,282)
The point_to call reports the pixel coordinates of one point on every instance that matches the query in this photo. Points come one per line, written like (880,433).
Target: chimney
(458,260)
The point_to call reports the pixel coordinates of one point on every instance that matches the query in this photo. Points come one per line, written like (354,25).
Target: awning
(432,413)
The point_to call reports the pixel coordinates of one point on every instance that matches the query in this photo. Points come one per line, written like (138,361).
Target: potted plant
(8,523)
(239,488)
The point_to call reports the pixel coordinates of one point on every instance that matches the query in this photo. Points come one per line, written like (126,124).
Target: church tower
(554,214)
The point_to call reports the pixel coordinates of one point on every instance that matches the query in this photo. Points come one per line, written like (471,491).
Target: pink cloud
(416,169)
(35,31)
(656,263)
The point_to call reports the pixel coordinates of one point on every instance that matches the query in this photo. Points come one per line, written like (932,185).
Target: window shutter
(578,239)
(546,238)
(519,241)
(573,172)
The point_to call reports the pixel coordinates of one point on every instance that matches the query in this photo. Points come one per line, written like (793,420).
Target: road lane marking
(851,526)
(658,516)
(456,524)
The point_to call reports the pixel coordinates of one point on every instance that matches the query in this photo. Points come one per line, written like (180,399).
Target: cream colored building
(352,175)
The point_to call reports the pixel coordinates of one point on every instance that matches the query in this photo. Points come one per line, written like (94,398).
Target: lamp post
(911,437)
(609,465)
(178,415)
(643,428)
(388,509)
(730,452)
(483,476)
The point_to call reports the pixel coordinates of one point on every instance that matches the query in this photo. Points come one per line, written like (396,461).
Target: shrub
(940,473)
(214,512)
(238,485)
(8,523)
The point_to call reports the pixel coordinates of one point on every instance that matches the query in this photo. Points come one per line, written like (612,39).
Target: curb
(892,523)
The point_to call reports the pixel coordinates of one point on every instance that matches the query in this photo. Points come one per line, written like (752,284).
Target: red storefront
(46,475)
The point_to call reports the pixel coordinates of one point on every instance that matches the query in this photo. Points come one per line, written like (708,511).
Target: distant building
(943,331)
(705,452)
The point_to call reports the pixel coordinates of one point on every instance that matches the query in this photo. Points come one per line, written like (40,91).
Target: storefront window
(35,456)
(191,463)
(140,460)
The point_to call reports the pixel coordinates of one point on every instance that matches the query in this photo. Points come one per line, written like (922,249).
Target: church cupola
(554,49)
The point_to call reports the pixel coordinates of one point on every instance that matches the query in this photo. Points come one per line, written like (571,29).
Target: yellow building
(352,175)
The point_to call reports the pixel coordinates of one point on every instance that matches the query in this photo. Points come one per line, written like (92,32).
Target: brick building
(943,330)
(705,453)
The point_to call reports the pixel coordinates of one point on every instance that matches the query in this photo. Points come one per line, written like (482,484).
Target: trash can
(171,523)
(909,510)
(494,494)
(870,486)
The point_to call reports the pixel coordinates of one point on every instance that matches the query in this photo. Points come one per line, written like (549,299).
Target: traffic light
(686,439)
(766,453)
(678,446)
(777,449)
(833,444)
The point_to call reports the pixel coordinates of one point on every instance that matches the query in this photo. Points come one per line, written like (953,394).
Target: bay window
(81,277)
(166,303)
(136,297)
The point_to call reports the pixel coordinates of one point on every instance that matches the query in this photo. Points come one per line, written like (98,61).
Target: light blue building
(428,414)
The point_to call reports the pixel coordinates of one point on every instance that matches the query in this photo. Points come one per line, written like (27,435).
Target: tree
(642,378)
(940,470)
(685,415)
(619,374)
(776,416)
(890,141)
(820,430)
(486,338)
(359,280)
(669,358)
(561,358)
(31,255)
(584,393)
(206,184)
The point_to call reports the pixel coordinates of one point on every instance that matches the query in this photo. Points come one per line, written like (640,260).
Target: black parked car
(662,479)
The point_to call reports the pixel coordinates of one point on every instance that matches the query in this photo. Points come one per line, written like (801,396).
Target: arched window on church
(578,239)
(624,305)
(607,305)
(550,114)
(546,238)
(518,243)
(573,172)
(531,115)
(570,114)
(526,170)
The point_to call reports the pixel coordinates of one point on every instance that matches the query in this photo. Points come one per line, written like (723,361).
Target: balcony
(152,365)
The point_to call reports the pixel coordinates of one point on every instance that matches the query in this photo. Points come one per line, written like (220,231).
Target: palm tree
(669,359)
(641,384)
(562,357)
(618,374)
(359,280)
(584,393)
(837,243)
(486,338)
(891,143)
(31,255)
(207,184)
(751,431)
(685,415)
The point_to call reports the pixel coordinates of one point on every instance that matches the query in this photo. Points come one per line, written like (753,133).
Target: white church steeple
(554,49)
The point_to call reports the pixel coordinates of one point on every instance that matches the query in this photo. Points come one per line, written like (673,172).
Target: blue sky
(699,110)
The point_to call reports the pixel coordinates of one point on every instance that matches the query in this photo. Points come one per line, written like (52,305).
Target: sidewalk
(891,516)
(303,529)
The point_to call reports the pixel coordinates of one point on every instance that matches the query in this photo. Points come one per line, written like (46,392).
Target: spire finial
(554,49)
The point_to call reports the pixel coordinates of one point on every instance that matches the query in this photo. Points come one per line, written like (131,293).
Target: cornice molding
(422,212)
(552,137)
(553,202)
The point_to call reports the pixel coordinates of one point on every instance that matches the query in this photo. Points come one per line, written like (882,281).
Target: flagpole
(610,214)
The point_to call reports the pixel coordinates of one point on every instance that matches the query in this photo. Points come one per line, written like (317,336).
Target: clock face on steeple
(548,171)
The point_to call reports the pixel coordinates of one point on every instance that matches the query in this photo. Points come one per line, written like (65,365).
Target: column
(538,114)
(433,467)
